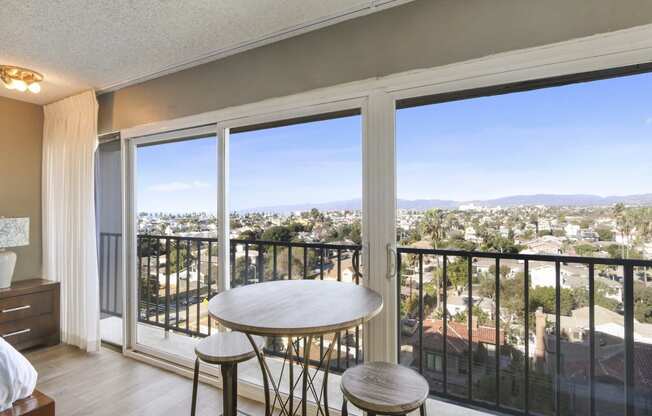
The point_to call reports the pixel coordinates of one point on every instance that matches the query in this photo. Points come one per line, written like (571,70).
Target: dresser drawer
(25,330)
(26,306)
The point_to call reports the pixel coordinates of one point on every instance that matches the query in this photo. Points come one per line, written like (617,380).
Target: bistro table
(299,310)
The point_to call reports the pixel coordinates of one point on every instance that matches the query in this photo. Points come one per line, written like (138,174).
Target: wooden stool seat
(384,388)
(227,347)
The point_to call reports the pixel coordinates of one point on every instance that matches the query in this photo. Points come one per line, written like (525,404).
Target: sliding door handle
(391,261)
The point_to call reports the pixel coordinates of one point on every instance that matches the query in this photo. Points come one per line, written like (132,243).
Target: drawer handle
(13,334)
(19,308)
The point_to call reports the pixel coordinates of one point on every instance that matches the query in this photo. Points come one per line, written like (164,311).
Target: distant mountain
(566,200)
(352,204)
(576,200)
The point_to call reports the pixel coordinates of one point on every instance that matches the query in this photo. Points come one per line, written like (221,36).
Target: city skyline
(589,138)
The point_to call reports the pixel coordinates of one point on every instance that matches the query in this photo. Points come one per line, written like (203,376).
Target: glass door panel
(176,254)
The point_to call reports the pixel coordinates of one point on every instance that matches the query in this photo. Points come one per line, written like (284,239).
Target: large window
(561,171)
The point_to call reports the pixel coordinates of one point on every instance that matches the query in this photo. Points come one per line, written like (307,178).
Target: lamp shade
(14,232)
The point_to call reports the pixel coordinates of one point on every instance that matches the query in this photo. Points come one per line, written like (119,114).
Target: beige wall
(21,133)
(421,34)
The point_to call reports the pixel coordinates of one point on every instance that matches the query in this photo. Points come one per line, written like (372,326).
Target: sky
(591,138)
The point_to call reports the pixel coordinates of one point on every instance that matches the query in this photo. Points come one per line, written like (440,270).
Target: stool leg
(195,381)
(422,409)
(229,389)
(345,410)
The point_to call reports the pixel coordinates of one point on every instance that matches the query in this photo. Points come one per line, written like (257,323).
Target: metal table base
(293,356)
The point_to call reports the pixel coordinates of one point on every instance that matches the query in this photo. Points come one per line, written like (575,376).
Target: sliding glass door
(268,197)
(175,198)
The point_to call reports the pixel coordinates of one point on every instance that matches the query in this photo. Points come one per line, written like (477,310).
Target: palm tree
(623,221)
(432,224)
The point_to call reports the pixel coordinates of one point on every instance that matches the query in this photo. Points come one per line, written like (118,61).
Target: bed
(18,396)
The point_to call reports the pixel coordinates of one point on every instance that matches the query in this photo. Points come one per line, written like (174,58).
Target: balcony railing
(567,342)
(178,275)
(110,264)
(576,339)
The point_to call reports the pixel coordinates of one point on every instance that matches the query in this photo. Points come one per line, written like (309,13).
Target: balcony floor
(249,372)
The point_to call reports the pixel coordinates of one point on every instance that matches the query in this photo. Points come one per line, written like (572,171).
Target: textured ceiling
(79,44)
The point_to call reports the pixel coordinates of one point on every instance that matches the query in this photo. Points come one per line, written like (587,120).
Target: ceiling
(107,45)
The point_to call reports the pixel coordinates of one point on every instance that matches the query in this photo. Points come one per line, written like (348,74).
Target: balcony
(487,349)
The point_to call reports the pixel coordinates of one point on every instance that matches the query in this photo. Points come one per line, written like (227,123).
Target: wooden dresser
(29,313)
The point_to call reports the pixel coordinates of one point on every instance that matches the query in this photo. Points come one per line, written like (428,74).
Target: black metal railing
(109,268)
(178,275)
(469,321)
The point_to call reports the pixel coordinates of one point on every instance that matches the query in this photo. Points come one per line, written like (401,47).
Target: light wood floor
(107,383)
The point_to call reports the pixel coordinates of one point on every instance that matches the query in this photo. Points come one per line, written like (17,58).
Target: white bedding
(17,376)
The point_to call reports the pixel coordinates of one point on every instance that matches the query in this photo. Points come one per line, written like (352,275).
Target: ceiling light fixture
(21,79)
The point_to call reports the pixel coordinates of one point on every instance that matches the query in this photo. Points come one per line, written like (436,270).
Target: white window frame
(612,50)
(130,231)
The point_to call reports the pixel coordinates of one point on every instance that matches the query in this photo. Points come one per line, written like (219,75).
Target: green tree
(604,234)
(481,316)
(544,296)
(497,243)
(457,273)
(642,302)
(585,250)
(432,225)
(278,233)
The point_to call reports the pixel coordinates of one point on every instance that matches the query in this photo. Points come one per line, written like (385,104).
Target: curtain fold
(69,244)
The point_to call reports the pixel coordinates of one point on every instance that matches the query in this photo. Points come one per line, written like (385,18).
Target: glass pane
(108,191)
(177,243)
(296,213)
(532,176)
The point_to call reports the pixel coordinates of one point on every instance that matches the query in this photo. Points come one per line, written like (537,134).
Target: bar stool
(225,349)
(380,388)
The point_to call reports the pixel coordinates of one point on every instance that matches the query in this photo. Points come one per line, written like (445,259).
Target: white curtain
(69,245)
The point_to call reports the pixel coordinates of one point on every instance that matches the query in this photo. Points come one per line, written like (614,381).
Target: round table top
(295,307)
(384,388)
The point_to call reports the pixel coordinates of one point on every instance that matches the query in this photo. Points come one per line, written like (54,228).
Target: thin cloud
(648,120)
(178,186)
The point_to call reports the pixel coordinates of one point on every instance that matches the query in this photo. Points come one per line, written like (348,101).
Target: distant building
(470,235)
(589,235)
(572,231)
(544,245)
(546,276)
(608,362)
(483,344)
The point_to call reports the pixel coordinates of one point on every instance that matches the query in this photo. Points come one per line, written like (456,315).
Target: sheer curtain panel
(69,244)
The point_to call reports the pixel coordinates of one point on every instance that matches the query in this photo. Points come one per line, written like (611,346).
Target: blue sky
(584,138)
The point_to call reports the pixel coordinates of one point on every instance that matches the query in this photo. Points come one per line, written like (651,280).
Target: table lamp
(14,232)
